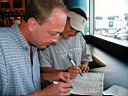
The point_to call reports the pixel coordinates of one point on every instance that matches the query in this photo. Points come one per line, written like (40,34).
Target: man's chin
(42,46)
(45,46)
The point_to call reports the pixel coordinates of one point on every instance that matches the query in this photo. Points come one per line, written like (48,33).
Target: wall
(77,4)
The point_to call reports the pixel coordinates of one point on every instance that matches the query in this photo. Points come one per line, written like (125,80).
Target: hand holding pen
(57,89)
(73,70)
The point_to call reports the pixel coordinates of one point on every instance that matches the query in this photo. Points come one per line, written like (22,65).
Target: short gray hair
(42,9)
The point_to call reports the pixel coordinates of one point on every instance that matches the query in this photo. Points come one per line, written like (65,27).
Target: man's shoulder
(6,36)
(5,31)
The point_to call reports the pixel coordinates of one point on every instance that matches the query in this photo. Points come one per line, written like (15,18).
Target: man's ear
(32,23)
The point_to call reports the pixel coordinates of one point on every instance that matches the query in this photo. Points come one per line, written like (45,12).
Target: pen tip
(81,74)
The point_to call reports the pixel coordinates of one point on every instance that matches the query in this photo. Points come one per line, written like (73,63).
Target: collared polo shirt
(18,76)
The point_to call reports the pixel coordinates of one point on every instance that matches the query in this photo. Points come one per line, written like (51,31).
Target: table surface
(87,95)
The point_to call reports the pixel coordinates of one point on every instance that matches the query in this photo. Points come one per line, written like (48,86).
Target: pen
(55,82)
(73,63)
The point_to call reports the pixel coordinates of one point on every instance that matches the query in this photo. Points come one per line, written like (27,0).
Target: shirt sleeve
(44,58)
(86,53)
(3,73)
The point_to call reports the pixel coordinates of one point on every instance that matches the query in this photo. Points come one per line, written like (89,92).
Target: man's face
(47,33)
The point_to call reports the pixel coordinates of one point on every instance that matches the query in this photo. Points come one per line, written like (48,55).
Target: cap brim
(77,21)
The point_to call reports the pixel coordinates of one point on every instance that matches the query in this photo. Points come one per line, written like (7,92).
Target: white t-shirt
(55,56)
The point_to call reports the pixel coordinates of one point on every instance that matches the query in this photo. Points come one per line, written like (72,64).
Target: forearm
(48,70)
(51,76)
(38,93)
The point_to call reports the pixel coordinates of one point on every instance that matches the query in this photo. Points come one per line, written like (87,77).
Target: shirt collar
(20,37)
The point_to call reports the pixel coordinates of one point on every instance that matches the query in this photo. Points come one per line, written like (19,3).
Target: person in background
(19,64)
(54,58)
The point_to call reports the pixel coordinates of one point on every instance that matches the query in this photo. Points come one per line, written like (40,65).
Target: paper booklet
(116,90)
(88,84)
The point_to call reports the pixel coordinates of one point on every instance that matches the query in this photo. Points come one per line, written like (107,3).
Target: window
(111,20)
(86,32)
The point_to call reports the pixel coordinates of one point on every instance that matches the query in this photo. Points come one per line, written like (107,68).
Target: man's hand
(73,70)
(84,67)
(58,89)
(51,74)
(64,76)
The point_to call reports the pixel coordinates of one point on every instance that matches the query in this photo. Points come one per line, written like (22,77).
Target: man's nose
(56,39)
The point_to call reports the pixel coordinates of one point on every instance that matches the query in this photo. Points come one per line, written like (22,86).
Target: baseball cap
(77,21)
